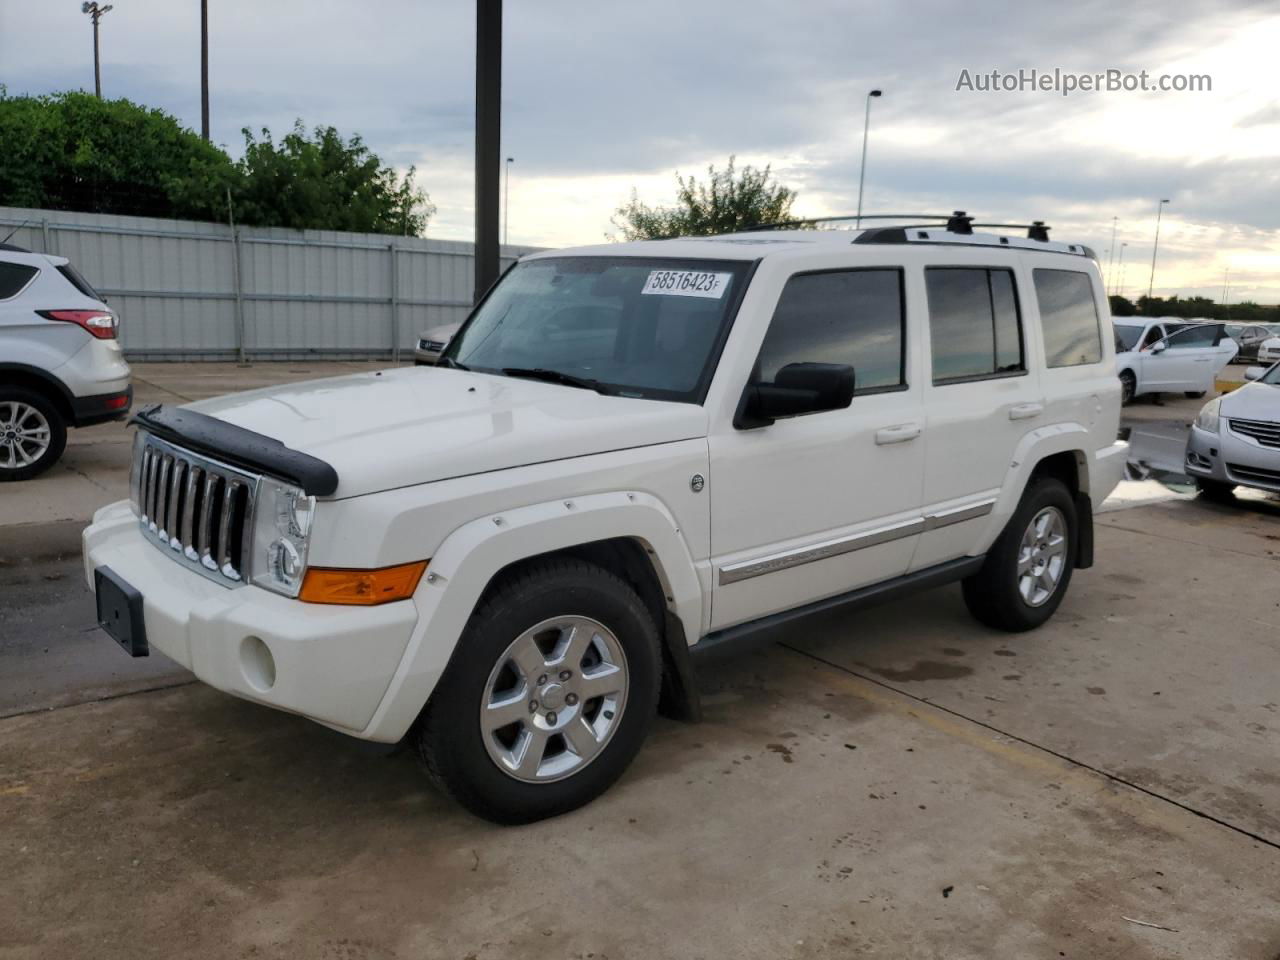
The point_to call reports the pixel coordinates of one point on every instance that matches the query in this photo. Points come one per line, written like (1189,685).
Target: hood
(1253,401)
(411,425)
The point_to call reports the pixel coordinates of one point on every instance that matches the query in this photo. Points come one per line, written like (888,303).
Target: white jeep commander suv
(628,455)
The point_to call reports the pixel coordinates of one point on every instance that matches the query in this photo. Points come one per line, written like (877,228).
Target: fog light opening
(257,664)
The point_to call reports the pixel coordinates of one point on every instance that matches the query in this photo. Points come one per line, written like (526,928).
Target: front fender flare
(471,556)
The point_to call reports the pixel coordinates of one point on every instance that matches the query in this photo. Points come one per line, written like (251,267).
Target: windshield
(638,327)
(1126,337)
(1271,377)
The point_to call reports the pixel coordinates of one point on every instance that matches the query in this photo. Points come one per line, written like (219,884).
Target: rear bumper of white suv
(330,663)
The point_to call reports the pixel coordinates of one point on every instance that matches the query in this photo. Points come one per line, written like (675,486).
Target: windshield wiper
(556,376)
(451,364)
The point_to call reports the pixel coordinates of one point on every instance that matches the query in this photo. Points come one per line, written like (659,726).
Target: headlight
(281,534)
(1208,418)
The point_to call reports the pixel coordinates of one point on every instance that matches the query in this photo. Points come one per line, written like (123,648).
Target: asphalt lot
(900,782)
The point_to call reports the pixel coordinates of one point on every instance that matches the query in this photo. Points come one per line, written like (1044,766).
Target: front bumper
(1231,459)
(331,664)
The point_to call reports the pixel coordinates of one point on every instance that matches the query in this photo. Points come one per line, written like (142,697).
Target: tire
(529,616)
(32,434)
(995,594)
(1128,387)
(1195,394)
(1215,491)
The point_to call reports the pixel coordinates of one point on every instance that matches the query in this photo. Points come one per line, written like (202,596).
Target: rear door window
(14,278)
(1188,338)
(1069,318)
(974,323)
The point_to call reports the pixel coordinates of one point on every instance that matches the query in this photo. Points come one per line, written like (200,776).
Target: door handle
(1025,411)
(897,434)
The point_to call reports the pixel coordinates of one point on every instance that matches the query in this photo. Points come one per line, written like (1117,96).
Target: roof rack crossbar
(866,216)
(957,222)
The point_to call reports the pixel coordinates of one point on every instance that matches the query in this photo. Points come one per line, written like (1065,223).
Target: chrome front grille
(432,346)
(198,510)
(1265,432)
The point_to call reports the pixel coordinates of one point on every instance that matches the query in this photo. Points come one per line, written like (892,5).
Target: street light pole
(1111,254)
(1120,269)
(95,13)
(204,69)
(1154,248)
(506,201)
(862,170)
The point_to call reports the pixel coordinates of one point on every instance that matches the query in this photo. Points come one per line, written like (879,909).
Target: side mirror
(1159,346)
(797,389)
(1254,373)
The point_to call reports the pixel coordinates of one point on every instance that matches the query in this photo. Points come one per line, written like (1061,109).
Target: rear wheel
(1128,387)
(1028,569)
(551,697)
(1216,490)
(32,434)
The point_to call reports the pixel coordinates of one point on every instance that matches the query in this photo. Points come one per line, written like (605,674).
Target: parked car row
(1256,341)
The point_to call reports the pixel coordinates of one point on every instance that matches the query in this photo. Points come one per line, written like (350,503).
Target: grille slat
(198,508)
(1266,433)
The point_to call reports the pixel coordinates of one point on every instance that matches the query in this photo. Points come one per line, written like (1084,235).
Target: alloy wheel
(554,699)
(1042,556)
(25,434)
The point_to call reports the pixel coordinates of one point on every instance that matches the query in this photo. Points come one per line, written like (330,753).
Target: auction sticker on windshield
(687,283)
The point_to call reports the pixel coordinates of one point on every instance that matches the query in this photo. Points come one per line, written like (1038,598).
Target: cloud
(599,97)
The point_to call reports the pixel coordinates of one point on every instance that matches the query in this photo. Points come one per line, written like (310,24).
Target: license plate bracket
(120,612)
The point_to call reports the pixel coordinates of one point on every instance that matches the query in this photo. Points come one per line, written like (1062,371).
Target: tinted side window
(853,317)
(1188,337)
(1069,318)
(77,280)
(13,277)
(1154,334)
(974,323)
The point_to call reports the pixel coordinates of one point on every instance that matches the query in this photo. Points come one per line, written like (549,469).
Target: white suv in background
(507,556)
(60,360)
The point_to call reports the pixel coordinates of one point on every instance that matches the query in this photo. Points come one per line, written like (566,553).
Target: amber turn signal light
(361,588)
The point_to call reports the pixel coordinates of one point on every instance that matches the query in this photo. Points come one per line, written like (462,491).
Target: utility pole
(1111,254)
(1119,290)
(204,69)
(95,13)
(488,139)
(862,170)
(1154,248)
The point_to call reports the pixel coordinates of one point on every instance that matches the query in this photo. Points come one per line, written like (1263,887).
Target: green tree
(322,181)
(1121,306)
(728,201)
(72,151)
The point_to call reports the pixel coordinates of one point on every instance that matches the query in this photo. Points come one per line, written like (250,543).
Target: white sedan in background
(1165,355)
(1269,351)
(1235,440)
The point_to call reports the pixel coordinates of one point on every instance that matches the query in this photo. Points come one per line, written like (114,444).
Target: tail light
(98,323)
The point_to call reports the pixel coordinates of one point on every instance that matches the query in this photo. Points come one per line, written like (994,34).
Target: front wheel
(1215,490)
(1195,394)
(550,695)
(1028,569)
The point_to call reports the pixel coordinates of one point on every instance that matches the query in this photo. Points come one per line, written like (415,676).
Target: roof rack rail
(1036,229)
(866,216)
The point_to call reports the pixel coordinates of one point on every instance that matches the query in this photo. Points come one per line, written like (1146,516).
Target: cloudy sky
(601,97)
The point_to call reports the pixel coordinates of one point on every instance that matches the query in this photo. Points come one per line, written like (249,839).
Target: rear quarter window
(14,277)
(77,280)
(1069,318)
